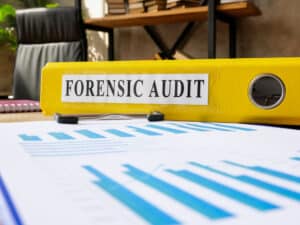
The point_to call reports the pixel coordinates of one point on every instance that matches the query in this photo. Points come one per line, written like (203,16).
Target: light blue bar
(144,131)
(64,153)
(141,207)
(119,133)
(230,192)
(296,158)
(208,168)
(256,182)
(61,136)
(234,127)
(201,206)
(267,171)
(165,128)
(208,127)
(189,127)
(89,134)
(26,137)
(15,217)
(271,187)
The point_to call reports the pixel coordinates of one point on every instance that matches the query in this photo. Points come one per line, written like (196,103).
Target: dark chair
(45,35)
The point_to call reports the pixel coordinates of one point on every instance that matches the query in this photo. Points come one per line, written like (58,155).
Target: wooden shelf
(235,10)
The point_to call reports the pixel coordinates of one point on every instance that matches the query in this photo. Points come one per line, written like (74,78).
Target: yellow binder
(220,90)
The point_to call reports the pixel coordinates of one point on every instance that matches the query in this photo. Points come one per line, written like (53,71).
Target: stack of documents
(138,172)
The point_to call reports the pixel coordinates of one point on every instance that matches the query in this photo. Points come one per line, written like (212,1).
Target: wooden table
(228,13)
(21,117)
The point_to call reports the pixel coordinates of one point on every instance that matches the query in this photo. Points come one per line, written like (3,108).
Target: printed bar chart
(51,143)
(144,209)
(140,172)
(255,182)
(200,205)
(149,129)
(196,201)
(267,171)
(230,192)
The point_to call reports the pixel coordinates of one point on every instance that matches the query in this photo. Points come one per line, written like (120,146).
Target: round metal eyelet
(266,91)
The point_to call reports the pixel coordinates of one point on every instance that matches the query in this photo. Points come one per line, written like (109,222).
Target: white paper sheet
(136,172)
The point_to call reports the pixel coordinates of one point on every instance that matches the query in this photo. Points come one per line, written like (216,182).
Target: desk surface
(236,10)
(21,117)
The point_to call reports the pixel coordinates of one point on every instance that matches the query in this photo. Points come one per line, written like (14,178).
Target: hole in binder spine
(266,91)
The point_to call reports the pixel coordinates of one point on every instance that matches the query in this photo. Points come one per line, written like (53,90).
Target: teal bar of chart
(26,137)
(230,192)
(147,211)
(61,136)
(189,127)
(201,206)
(202,126)
(255,182)
(119,133)
(271,172)
(296,158)
(144,131)
(166,128)
(234,127)
(89,134)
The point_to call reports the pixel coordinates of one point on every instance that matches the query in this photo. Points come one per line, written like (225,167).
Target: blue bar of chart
(264,170)
(141,207)
(296,158)
(189,127)
(61,136)
(230,192)
(26,137)
(119,133)
(166,128)
(14,217)
(201,206)
(89,134)
(273,188)
(234,127)
(209,127)
(144,131)
(255,182)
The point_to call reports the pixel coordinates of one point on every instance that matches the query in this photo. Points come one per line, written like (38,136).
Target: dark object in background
(45,35)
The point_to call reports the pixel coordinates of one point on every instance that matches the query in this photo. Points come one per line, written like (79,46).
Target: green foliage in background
(39,3)
(8,22)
